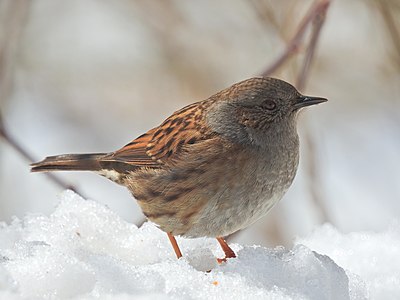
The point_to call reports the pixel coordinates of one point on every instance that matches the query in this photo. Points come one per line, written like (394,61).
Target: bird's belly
(231,212)
(236,206)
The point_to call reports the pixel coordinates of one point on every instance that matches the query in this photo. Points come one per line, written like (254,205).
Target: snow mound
(85,251)
(374,257)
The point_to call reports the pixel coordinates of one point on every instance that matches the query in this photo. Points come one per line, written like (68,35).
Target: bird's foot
(221,260)
(229,253)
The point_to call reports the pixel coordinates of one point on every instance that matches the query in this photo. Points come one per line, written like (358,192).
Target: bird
(213,167)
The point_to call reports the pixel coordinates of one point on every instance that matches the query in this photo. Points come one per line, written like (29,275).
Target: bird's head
(258,106)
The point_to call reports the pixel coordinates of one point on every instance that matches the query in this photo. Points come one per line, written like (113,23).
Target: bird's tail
(70,162)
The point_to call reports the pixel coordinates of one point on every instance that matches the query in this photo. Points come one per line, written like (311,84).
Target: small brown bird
(211,168)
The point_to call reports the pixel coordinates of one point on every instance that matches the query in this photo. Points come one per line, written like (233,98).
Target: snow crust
(83,250)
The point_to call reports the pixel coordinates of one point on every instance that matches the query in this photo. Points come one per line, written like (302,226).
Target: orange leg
(227,250)
(174,245)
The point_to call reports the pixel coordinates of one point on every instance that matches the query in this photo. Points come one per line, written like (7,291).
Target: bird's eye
(269,104)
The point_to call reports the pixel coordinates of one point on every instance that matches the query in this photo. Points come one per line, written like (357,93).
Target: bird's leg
(227,250)
(174,245)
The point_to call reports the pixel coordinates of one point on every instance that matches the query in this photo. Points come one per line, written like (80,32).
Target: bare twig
(318,8)
(12,142)
(303,75)
(318,22)
(264,12)
(385,9)
(27,156)
(314,184)
(16,14)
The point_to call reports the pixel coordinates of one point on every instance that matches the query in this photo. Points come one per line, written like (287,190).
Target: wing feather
(164,145)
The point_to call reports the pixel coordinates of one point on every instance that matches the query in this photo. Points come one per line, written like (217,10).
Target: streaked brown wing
(164,144)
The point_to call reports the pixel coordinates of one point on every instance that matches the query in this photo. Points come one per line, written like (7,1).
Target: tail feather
(69,162)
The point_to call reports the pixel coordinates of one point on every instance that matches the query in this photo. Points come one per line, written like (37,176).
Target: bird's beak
(304,101)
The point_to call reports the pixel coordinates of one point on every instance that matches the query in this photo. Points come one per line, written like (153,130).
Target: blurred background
(89,76)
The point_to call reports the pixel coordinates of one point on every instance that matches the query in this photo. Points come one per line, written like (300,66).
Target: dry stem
(317,9)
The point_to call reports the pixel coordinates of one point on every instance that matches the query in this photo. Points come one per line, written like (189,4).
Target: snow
(83,250)
(374,257)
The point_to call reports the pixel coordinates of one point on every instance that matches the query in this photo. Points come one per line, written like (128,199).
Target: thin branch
(318,8)
(14,16)
(55,179)
(390,23)
(313,176)
(27,156)
(12,142)
(303,75)
(317,23)
(16,13)
(265,13)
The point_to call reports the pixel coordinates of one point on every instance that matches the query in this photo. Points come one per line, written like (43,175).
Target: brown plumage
(214,166)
